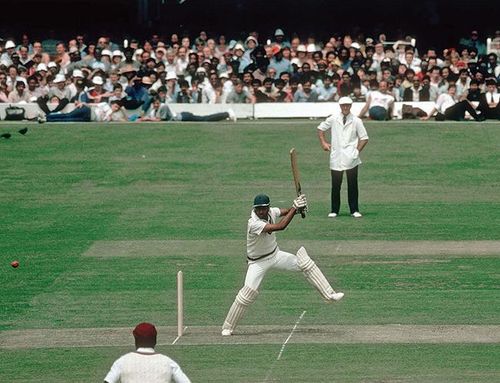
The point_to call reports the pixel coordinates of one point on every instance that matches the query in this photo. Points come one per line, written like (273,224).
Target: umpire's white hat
(345,100)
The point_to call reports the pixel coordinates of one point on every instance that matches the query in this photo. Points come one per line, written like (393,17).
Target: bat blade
(296,175)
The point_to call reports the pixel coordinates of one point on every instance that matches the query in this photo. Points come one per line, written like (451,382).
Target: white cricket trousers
(256,271)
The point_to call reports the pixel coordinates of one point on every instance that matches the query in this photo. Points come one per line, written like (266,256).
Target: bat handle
(302,214)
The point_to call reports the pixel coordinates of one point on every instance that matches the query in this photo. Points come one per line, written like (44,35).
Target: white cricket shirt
(144,365)
(260,244)
(344,154)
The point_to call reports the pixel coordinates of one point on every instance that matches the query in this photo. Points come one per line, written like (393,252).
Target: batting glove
(300,202)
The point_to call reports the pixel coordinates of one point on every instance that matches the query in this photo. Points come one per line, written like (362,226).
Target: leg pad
(314,275)
(244,298)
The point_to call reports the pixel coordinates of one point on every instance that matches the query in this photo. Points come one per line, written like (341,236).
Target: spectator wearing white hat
(60,91)
(116,60)
(172,87)
(53,68)
(42,73)
(105,58)
(76,75)
(250,45)
(202,77)
(6,57)
(301,56)
(311,49)
(97,93)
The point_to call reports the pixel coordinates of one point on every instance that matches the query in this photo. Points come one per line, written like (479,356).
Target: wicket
(180,304)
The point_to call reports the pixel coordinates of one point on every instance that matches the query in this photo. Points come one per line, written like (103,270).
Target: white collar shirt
(492,98)
(259,243)
(145,365)
(344,154)
(444,101)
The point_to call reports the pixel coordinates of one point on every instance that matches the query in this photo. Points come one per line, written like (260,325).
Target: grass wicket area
(101,218)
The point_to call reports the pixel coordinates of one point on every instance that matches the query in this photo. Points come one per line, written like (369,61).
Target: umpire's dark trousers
(352,189)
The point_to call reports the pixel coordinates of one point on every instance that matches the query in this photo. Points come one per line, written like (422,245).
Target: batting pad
(314,275)
(244,298)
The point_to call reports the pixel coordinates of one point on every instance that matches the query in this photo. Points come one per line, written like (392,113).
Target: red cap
(144,330)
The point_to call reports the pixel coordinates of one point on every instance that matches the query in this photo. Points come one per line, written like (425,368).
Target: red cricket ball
(14,264)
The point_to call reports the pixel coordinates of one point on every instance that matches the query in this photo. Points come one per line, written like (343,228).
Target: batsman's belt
(263,256)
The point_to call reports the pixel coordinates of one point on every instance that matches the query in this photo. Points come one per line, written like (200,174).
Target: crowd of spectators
(214,70)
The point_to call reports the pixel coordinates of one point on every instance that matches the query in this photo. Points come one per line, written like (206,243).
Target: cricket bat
(296,176)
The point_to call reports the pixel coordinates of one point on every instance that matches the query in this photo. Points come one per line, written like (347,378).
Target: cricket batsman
(263,254)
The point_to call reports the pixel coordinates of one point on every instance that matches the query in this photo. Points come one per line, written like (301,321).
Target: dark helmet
(261,200)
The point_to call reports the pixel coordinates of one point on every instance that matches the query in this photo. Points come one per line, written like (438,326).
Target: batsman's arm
(287,215)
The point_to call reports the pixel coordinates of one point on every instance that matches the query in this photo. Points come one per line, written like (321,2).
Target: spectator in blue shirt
(306,94)
(278,62)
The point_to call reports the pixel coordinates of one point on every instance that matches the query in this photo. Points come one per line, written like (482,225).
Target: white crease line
(291,333)
(283,346)
(176,339)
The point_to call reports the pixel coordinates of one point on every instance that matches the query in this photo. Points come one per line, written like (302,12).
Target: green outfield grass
(74,199)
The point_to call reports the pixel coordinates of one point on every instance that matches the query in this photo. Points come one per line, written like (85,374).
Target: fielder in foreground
(264,254)
(144,364)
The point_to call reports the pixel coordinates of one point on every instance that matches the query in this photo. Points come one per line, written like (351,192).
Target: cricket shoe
(356,214)
(337,296)
(227,332)
(332,215)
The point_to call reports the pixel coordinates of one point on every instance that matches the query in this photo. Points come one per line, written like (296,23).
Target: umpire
(348,138)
